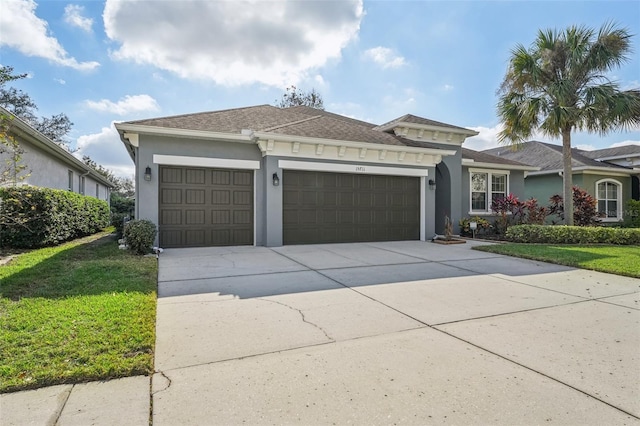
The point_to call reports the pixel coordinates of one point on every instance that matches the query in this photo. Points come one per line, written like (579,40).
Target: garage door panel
(195,217)
(220,177)
(194,196)
(243,178)
(356,208)
(242,198)
(171,175)
(171,196)
(195,176)
(204,207)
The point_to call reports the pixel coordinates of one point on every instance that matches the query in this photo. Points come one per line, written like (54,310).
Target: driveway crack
(167,383)
(304,319)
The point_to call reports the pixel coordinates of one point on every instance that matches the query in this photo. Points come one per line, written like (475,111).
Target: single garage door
(321,207)
(202,207)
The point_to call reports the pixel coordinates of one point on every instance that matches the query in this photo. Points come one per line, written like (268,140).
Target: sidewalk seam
(63,405)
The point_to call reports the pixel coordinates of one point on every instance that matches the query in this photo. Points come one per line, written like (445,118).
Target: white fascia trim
(265,136)
(351,168)
(496,171)
(471,163)
(185,133)
(443,129)
(220,163)
(586,171)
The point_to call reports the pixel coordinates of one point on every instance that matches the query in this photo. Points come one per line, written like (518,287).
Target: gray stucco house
(270,176)
(50,166)
(610,175)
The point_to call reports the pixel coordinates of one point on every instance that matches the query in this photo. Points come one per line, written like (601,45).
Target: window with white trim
(70,180)
(609,197)
(487,186)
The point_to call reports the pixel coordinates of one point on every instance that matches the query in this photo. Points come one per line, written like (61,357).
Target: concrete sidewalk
(380,333)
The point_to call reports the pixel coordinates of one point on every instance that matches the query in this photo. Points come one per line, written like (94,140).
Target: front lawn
(620,260)
(81,311)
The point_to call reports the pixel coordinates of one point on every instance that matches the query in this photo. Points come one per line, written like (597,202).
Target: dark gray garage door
(202,207)
(335,207)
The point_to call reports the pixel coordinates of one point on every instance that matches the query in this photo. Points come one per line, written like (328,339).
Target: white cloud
(127,105)
(385,57)
(60,81)
(73,16)
(106,149)
(276,43)
(447,87)
(624,143)
(24,31)
(585,147)
(487,138)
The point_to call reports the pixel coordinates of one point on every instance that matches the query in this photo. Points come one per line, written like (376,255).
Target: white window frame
(490,173)
(70,177)
(618,199)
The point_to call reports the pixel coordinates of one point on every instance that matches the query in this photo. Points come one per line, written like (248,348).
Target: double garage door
(214,207)
(321,207)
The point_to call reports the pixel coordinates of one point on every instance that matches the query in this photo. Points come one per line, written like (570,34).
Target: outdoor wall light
(147,173)
(432,184)
(276,179)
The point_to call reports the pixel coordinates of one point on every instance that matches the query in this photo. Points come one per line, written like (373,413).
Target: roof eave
(53,148)
(471,163)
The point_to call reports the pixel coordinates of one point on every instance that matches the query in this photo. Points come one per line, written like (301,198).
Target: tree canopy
(297,97)
(20,103)
(560,85)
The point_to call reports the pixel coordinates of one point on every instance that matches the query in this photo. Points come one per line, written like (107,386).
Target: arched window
(609,196)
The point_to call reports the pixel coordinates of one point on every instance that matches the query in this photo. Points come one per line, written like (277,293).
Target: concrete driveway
(386,333)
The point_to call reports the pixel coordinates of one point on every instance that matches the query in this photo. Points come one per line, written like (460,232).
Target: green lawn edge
(77,312)
(612,259)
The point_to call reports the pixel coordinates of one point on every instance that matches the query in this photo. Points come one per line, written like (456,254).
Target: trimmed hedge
(35,217)
(573,234)
(139,235)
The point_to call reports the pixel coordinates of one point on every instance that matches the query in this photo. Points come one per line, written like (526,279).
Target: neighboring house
(608,175)
(270,176)
(50,166)
(486,178)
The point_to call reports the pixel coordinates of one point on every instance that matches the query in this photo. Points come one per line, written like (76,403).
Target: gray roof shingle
(630,150)
(483,157)
(546,156)
(409,118)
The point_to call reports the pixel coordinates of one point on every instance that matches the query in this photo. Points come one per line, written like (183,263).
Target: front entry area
(323,207)
(202,207)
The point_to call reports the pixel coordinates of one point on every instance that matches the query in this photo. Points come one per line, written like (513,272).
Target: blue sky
(105,61)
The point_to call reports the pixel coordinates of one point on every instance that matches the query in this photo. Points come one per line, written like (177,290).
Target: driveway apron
(396,332)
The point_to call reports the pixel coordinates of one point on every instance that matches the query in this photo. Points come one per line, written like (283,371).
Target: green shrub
(35,217)
(139,235)
(632,214)
(465,228)
(117,221)
(573,235)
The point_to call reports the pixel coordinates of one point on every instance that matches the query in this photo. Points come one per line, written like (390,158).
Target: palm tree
(560,85)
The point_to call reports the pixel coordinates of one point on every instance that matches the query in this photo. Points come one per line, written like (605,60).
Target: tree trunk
(567,177)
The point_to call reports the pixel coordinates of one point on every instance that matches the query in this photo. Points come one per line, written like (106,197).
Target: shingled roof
(483,157)
(409,118)
(620,151)
(300,121)
(546,156)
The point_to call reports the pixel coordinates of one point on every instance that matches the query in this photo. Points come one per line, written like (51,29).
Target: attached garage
(324,207)
(201,207)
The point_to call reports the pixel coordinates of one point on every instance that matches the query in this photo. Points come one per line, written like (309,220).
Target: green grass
(81,311)
(620,260)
